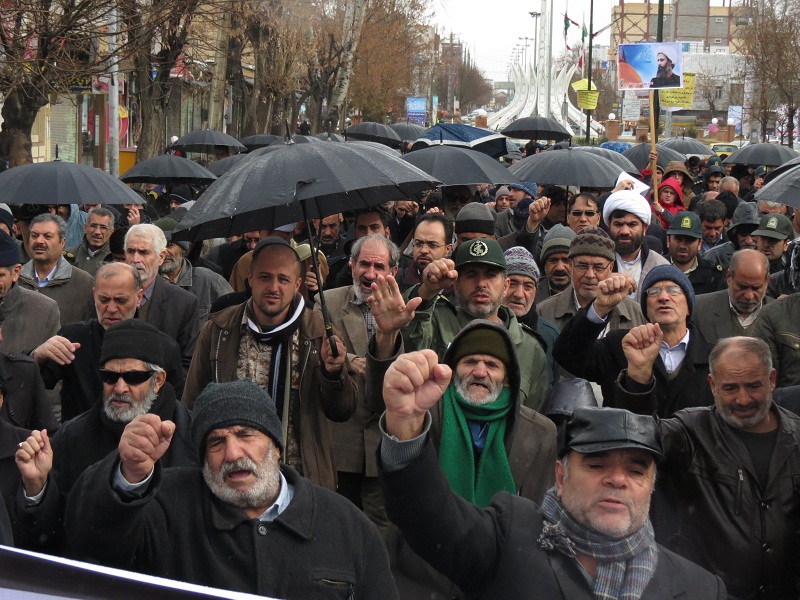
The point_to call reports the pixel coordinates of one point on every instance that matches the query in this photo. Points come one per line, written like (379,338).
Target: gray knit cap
(592,241)
(521,262)
(234,403)
(556,240)
(475,218)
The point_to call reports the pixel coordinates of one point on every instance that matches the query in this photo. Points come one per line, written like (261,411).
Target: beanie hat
(233,403)
(501,191)
(6,216)
(520,262)
(592,241)
(667,273)
(556,240)
(529,187)
(181,193)
(9,250)
(475,218)
(132,338)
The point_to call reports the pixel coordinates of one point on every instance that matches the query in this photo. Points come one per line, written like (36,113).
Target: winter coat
(70,287)
(30,319)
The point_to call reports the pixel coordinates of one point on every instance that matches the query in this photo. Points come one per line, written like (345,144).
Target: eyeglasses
(579,213)
(582,267)
(98,226)
(672,290)
(251,241)
(129,377)
(422,243)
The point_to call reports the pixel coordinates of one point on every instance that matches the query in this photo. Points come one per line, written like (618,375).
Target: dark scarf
(475,480)
(278,339)
(520,212)
(626,564)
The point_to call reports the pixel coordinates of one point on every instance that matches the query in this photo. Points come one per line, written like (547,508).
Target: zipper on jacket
(351,589)
(739,486)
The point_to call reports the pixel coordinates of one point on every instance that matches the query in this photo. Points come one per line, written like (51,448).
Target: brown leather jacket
(321,398)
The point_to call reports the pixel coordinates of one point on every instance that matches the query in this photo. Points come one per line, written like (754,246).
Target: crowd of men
(470,396)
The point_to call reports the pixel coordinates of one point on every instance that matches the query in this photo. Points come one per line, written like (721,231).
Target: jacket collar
(62,273)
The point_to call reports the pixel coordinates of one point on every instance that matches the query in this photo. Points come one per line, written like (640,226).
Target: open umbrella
(167,168)
(219,167)
(206,140)
(537,128)
(782,169)
(639,155)
(615,157)
(408,131)
(771,155)
(296,139)
(373,132)
(785,188)
(569,166)
(459,166)
(59,182)
(619,147)
(253,142)
(457,134)
(330,137)
(687,145)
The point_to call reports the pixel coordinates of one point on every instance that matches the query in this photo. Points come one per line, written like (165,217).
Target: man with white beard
(134,383)
(242,522)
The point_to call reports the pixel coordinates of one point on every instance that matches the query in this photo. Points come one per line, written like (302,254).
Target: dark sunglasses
(129,377)
(580,213)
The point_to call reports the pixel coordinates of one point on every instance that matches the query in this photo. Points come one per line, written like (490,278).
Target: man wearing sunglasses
(667,298)
(134,383)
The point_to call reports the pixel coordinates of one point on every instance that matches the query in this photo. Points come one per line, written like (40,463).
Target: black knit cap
(132,338)
(234,403)
(9,250)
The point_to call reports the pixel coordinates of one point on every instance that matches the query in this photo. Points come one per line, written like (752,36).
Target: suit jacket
(355,440)
(493,553)
(560,308)
(712,315)
(10,436)
(173,310)
(31,319)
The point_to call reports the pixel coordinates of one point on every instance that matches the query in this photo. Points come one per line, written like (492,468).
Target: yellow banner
(681,97)
(582,85)
(588,100)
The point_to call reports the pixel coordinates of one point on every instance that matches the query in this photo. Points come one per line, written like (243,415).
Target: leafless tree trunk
(353,22)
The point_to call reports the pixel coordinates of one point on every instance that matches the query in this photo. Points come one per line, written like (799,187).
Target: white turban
(630,202)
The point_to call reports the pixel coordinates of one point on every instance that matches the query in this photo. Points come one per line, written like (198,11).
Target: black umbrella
(569,166)
(253,142)
(686,145)
(782,169)
(771,155)
(459,166)
(408,131)
(222,166)
(537,128)
(59,182)
(639,155)
(296,139)
(623,163)
(374,132)
(785,188)
(167,168)
(206,140)
(330,137)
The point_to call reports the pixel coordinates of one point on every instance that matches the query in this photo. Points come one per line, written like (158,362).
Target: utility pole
(535,16)
(112,154)
(549,43)
(589,71)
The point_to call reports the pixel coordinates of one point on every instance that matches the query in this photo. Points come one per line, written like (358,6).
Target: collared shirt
(632,268)
(43,282)
(148,293)
(745,321)
(369,320)
(673,357)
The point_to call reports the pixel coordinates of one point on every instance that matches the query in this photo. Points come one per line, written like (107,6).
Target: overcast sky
(491,29)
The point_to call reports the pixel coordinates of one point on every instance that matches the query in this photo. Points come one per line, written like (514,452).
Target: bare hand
(612,291)
(332,365)
(58,349)
(437,276)
(641,345)
(358,365)
(134,215)
(404,208)
(388,306)
(311,281)
(625,184)
(536,212)
(143,442)
(412,385)
(34,460)
(653,156)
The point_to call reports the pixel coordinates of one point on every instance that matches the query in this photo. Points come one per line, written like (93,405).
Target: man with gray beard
(134,383)
(243,522)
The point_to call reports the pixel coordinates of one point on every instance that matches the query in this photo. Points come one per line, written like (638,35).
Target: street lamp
(525,49)
(611,116)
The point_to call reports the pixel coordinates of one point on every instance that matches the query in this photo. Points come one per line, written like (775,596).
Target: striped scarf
(626,565)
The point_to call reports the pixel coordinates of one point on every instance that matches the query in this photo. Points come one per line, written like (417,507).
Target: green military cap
(686,223)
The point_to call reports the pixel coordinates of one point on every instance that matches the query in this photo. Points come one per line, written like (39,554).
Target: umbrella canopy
(332,137)
(537,128)
(253,142)
(456,134)
(408,131)
(267,191)
(206,140)
(782,169)
(374,132)
(219,167)
(771,155)
(569,166)
(785,188)
(59,182)
(167,168)
(686,145)
(616,146)
(296,138)
(639,155)
(459,166)
(615,157)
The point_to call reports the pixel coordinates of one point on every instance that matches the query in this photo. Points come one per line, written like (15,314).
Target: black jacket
(707,277)
(25,402)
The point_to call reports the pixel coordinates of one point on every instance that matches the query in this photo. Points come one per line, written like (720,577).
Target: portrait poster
(649,66)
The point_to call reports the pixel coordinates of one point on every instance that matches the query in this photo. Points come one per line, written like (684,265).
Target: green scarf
(457,454)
